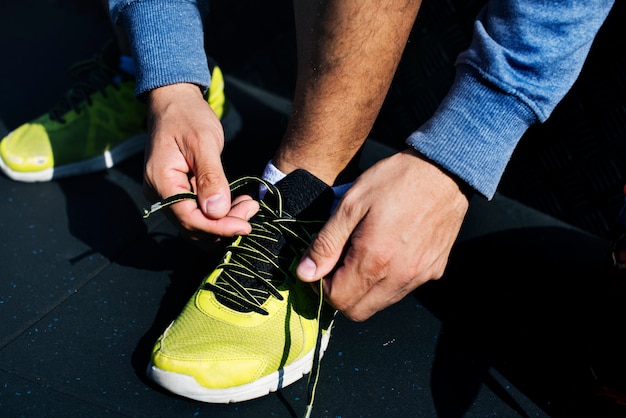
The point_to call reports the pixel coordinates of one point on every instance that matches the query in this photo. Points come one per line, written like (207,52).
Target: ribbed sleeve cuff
(168,44)
(474,131)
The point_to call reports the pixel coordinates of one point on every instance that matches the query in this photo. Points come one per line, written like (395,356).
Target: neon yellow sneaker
(252,327)
(97,124)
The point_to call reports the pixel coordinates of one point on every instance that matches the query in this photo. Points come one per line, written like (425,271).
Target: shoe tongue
(303,197)
(304,194)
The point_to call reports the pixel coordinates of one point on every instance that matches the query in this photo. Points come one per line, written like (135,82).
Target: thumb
(212,188)
(326,248)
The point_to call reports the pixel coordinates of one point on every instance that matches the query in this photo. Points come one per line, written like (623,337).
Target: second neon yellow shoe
(97,124)
(252,327)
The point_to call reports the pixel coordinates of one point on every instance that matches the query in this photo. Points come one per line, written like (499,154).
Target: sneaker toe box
(27,149)
(210,369)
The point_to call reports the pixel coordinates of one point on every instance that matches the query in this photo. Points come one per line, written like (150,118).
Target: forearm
(348,51)
(166,41)
(525,56)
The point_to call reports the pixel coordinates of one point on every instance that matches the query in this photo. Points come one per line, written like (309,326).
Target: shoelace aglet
(153,208)
(168,201)
(307,413)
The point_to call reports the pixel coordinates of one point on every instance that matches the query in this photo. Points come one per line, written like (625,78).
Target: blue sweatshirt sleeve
(166,39)
(524,57)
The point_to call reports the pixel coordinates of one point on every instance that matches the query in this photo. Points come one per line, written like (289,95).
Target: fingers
(361,284)
(327,247)
(375,275)
(244,207)
(364,301)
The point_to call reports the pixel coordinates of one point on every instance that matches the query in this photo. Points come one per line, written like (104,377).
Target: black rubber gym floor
(524,316)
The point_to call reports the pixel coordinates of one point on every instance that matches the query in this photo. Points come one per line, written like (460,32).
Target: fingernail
(215,203)
(306,269)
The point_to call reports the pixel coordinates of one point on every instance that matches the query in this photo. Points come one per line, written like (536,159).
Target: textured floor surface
(524,310)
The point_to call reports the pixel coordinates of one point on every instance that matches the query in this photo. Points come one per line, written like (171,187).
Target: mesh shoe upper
(252,326)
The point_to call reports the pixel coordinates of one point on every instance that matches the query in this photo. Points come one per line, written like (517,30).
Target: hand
(394,228)
(182,155)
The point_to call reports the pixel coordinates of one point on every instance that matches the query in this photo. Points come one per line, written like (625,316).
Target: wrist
(467,190)
(171,92)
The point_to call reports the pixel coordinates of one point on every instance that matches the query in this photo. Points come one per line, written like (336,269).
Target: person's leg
(348,51)
(252,327)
